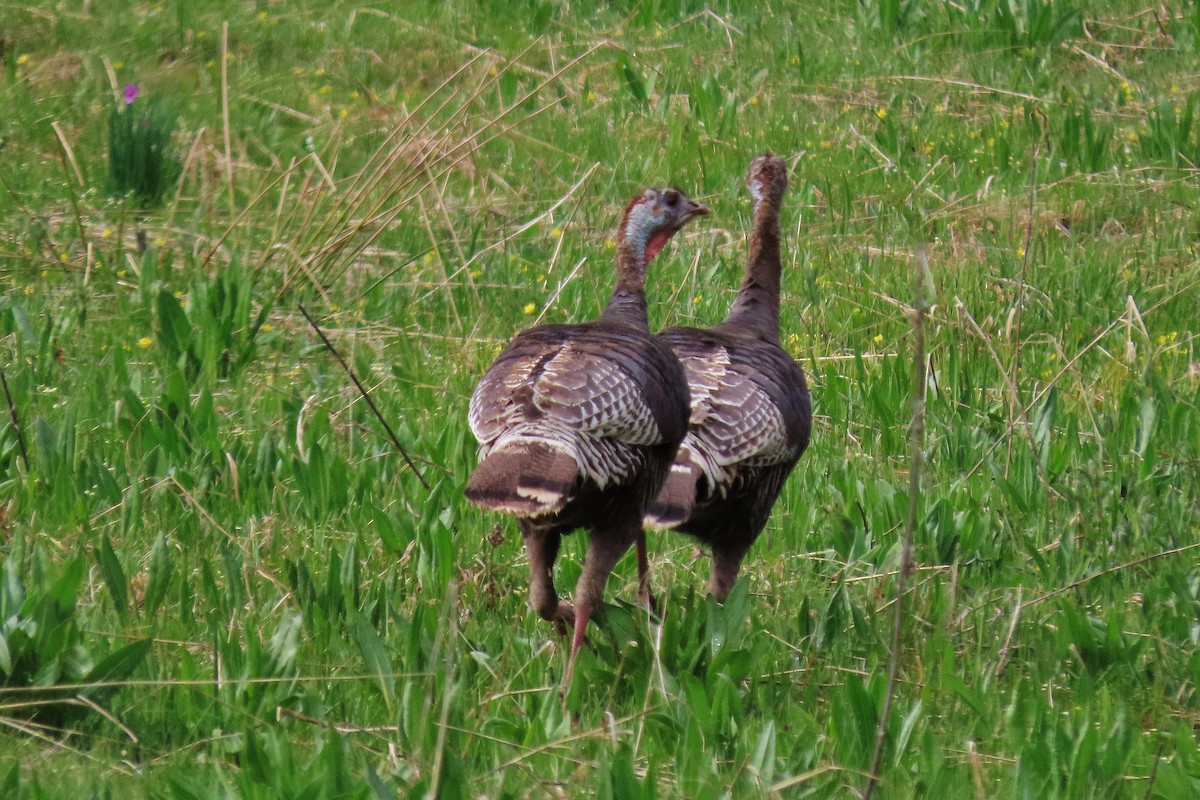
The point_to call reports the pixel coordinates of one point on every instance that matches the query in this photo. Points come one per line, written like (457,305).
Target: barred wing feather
(572,395)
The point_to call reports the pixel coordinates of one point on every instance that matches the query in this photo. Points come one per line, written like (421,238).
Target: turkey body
(750,422)
(751,415)
(578,425)
(583,419)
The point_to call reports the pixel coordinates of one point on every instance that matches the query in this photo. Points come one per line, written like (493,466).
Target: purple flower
(131,92)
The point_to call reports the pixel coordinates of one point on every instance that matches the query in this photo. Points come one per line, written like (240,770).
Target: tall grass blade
(923,295)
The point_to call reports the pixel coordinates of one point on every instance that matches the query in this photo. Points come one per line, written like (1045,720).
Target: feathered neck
(638,241)
(757,303)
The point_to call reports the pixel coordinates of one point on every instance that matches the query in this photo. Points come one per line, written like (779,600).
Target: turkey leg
(542,548)
(605,548)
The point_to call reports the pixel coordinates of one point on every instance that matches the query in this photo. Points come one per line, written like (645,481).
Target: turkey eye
(672,199)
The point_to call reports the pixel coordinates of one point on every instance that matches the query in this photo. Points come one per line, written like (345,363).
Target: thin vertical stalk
(12,413)
(225,114)
(923,300)
(71,166)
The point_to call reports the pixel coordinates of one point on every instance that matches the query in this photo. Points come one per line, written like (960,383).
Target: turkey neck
(757,303)
(628,303)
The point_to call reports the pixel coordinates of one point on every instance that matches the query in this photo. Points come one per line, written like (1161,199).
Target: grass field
(220,579)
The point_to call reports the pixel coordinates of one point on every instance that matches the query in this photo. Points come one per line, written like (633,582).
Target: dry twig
(16,423)
(923,299)
(363,391)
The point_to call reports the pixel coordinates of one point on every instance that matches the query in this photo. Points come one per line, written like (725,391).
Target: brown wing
(749,406)
(571,388)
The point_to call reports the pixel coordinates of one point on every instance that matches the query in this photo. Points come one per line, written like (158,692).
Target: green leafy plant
(141,158)
(1083,142)
(42,646)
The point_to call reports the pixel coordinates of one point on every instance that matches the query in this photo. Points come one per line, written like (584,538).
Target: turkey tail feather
(524,478)
(674,503)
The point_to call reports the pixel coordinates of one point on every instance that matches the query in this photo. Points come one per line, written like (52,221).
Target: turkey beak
(697,210)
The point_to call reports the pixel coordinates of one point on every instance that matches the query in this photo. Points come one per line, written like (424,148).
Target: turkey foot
(564,619)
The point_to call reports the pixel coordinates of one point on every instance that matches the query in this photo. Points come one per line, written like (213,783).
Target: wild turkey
(750,410)
(578,424)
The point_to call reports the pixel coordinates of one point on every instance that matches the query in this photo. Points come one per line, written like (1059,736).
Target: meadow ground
(220,578)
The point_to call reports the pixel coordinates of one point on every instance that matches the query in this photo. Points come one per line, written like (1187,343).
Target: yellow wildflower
(529,308)
(877,338)
(22,59)
(145,342)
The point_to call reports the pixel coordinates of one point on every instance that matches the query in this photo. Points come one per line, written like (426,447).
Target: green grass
(220,580)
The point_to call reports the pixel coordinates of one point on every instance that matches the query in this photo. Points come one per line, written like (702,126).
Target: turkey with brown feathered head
(750,410)
(578,425)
